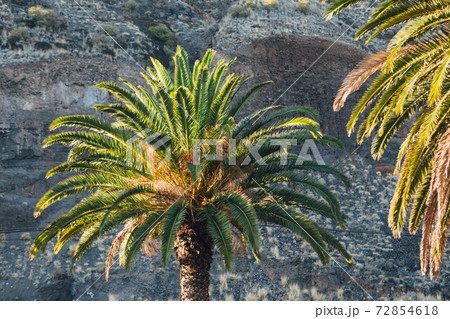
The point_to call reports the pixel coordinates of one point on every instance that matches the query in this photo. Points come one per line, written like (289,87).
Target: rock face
(246,23)
(31,96)
(51,57)
(305,71)
(119,30)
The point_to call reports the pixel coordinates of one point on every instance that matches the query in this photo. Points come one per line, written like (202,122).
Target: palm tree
(412,85)
(180,202)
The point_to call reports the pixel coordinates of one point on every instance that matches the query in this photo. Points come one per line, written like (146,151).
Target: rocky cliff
(52,52)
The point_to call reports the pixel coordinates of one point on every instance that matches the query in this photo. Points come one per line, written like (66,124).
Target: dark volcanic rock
(59,288)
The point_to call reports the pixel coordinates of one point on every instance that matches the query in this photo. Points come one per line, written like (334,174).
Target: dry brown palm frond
(364,70)
(160,186)
(237,175)
(165,188)
(427,229)
(115,245)
(239,245)
(150,246)
(216,179)
(436,223)
(119,239)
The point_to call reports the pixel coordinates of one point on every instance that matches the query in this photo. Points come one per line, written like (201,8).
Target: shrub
(270,4)
(303,6)
(100,41)
(19,34)
(108,28)
(251,5)
(43,46)
(45,17)
(130,5)
(238,11)
(163,33)
(168,51)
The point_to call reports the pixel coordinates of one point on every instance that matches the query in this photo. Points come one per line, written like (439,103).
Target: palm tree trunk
(193,248)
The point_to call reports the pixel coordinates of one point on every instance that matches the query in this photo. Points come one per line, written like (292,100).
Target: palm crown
(413,83)
(154,196)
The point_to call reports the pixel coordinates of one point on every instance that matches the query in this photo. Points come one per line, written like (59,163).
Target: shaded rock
(59,288)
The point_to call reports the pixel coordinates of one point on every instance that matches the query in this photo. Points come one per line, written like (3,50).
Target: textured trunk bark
(193,248)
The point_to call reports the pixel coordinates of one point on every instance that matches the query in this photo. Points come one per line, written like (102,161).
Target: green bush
(168,51)
(45,17)
(100,41)
(270,4)
(238,11)
(251,5)
(303,6)
(108,28)
(131,5)
(163,33)
(19,34)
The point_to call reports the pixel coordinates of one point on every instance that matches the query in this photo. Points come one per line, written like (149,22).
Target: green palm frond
(300,225)
(172,221)
(220,229)
(243,211)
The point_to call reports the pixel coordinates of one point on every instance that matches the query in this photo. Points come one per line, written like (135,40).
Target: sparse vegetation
(25,236)
(110,29)
(283,281)
(304,6)
(251,297)
(45,17)
(131,5)
(262,293)
(101,40)
(316,295)
(294,292)
(340,294)
(251,5)
(19,34)
(168,50)
(419,296)
(234,277)
(275,251)
(238,11)
(223,281)
(269,4)
(112,297)
(72,249)
(163,33)
(229,297)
